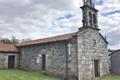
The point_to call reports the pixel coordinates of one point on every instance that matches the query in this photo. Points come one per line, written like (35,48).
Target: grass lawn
(110,78)
(22,75)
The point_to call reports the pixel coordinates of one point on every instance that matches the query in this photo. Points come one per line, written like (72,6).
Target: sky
(34,19)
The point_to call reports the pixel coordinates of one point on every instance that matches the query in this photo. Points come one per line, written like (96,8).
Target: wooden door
(43,62)
(97,68)
(11,62)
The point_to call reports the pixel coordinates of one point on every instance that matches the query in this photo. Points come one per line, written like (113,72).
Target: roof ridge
(51,39)
(54,36)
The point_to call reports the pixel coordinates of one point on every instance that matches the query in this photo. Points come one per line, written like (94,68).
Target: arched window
(95,20)
(90,18)
(90,2)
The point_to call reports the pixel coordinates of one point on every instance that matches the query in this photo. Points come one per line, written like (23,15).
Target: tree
(13,40)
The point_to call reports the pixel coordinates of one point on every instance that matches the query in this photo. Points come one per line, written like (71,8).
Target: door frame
(43,62)
(97,68)
(13,58)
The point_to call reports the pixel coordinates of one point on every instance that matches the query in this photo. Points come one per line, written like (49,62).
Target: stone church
(77,56)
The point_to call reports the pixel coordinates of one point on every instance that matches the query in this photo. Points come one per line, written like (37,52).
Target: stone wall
(88,46)
(73,60)
(91,47)
(115,63)
(4,60)
(31,58)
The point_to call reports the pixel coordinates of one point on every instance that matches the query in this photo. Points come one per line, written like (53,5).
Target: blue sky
(98,2)
(111,12)
(33,19)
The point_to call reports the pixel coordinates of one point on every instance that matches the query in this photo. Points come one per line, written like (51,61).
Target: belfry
(89,14)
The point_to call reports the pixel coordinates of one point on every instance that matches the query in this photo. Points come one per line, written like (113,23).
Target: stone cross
(38,59)
(69,48)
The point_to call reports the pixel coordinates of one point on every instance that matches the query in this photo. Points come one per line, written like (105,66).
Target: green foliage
(13,40)
(23,75)
(110,78)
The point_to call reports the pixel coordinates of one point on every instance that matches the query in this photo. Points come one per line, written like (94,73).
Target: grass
(110,78)
(23,75)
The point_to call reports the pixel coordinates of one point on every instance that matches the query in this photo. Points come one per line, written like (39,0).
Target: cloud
(109,5)
(29,17)
(13,8)
(109,21)
(56,4)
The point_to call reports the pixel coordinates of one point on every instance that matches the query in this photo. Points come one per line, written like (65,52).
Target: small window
(94,43)
(94,19)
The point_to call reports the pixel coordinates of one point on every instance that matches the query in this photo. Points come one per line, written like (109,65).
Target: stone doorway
(97,68)
(43,62)
(11,62)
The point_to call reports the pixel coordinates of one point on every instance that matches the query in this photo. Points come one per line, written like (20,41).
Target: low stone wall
(3,61)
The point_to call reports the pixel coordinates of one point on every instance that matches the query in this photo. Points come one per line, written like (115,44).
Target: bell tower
(89,14)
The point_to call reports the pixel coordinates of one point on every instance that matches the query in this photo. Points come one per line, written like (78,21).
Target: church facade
(77,56)
(82,55)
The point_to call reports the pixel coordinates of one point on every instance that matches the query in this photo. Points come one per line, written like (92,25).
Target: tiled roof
(8,48)
(47,40)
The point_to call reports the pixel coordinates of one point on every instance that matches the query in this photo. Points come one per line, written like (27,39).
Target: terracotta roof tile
(8,48)
(49,39)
